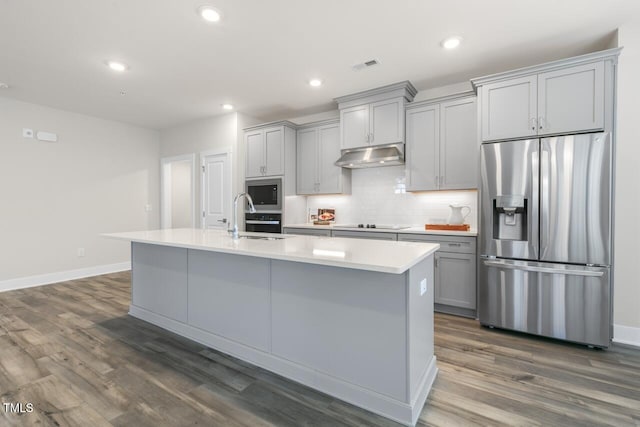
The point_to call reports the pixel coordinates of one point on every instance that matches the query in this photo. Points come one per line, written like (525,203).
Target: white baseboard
(62,276)
(627,335)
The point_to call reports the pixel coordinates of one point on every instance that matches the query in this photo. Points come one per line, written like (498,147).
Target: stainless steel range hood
(368,157)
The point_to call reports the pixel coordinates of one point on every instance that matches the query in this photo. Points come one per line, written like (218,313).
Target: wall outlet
(423,286)
(80,252)
(27,133)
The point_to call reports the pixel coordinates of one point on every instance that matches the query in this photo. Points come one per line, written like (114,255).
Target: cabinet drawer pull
(455,244)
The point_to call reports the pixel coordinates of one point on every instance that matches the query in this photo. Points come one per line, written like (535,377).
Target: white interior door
(177,207)
(216,190)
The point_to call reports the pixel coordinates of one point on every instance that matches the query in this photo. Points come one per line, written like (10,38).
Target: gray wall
(58,197)
(221,133)
(627,205)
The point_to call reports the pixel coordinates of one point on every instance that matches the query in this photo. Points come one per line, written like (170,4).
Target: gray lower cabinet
(307,231)
(455,272)
(373,235)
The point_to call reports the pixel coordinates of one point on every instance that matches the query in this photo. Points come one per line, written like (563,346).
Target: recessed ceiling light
(451,42)
(227,107)
(209,14)
(4,85)
(315,82)
(117,66)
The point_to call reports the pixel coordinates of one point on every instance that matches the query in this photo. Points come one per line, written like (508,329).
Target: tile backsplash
(378,196)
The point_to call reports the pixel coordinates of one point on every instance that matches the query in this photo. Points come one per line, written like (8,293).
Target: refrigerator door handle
(550,270)
(534,211)
(545,201)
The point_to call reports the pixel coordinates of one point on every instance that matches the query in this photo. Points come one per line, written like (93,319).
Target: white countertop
(371,255)
(410,230)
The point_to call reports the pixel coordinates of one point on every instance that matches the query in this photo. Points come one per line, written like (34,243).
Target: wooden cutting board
(447,227)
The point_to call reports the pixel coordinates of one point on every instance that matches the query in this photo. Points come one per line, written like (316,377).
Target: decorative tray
(447,227)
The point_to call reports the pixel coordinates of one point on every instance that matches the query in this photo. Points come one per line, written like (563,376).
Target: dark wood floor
(72,351)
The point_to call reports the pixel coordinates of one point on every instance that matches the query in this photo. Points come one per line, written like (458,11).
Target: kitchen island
(348,317)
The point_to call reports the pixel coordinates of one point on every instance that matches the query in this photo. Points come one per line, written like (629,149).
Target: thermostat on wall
(47,136)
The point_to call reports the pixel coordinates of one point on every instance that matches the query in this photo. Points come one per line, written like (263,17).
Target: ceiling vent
(366,64)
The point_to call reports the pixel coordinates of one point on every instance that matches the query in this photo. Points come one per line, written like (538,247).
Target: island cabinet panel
(346,323)
(420,324)
(229,296)
(159,280)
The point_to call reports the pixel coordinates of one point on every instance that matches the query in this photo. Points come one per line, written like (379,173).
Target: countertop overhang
(370,255)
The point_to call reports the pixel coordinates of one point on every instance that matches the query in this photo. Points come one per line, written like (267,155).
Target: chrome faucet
(252,209)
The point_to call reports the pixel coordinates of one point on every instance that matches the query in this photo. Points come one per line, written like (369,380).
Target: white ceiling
(261,55)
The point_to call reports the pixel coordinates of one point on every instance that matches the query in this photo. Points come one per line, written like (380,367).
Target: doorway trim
(203,185)
(165,178)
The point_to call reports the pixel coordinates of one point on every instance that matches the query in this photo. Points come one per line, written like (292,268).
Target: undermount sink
(260,237)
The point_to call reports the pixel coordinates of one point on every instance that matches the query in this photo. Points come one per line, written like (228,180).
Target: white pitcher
(457,217)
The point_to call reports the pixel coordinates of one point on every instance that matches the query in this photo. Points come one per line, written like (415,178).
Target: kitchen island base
(364,337)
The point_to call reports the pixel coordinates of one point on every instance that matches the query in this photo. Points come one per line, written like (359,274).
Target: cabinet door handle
(436,179)
(372,137)
(532,121)
(540,119)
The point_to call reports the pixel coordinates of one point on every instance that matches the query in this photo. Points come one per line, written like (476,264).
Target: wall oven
(266,194)
(263,222)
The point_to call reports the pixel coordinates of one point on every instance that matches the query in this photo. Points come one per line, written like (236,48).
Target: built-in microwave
(266,194)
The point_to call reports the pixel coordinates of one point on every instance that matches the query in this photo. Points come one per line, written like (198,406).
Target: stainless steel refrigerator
(545,237)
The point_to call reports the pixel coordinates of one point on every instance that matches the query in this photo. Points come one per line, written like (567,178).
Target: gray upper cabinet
(442,145)
(318,147)
(571,99)
(386,122)
(509,109)
(423,147)
(270,150)
(331,178)
(307,161)
(459,145)
(354,124)
(254,146)
(274,151)
(264,152)
(378,123)
(374,117)
(560,97)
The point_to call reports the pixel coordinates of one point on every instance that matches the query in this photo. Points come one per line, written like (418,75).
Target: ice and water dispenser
(510,218)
